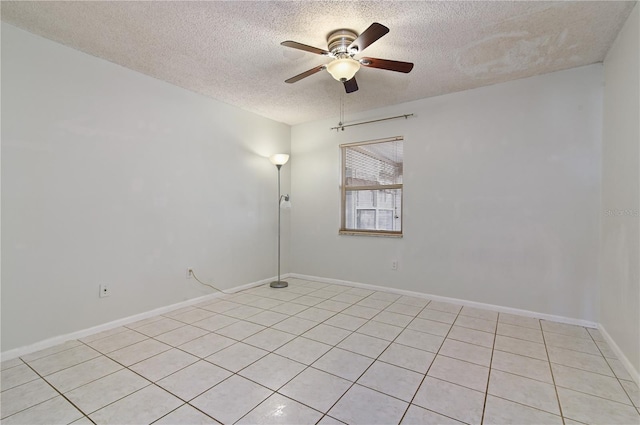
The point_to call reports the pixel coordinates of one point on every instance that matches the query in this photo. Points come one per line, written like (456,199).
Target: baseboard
(50,342)
(625,361)
(492,307)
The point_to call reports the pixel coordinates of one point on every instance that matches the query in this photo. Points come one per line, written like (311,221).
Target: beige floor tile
(83,373)
(272,371)
(143,406)
(54,411)
(24,396)
(364,344)
(327,334)
(391,380)
(472,336)
(63,359)
(193,380)
(395,319)
(522,347)
(526,322)
(406,309)
(243,312)
(450,400)
(206,345)
(347,298)
(468,352)
(385,296)
(295,325)
(159,327)
(477,324)
(420,340)
(181,335)
(344,321)
(194,315)
(460,372)
(565,329)
(363,406)
(499,411)
(438,316)
(8,364)
(163,364)
(215,322)
(479,313)
(595,410)
(523,366)
(344,364)
(237,356)
(632,391)
(418,416)
(619,370)
(240,330)
(279,410)
(380,330)
(315,314)
(138,352)
(267,318)
(522,390)
(579,360)
(533,335)
(373,303)
(309,300)
(328,420)
(408,357)
(28,358)
(106,390)
(15,376)
(269,339)
(333,305)
(590,383)
(577,344)
(231,399)
(103,334)
(362,312)
(413,301)
(186,415)
(117,341)
(429,326)
(444,306)
(316,389)
(303,350)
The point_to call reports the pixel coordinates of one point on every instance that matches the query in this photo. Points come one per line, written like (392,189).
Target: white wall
(501,203)
(620,285)
(110,176)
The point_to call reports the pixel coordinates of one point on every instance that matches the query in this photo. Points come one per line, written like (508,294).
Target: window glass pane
(374,164)
(373,210)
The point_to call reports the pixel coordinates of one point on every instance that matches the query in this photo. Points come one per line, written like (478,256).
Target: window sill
(370,233)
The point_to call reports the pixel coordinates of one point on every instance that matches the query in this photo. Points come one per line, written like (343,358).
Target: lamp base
(278,284)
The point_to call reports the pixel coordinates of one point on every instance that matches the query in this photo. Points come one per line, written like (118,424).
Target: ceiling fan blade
(305,74)
(369,36)
(300,46)
(397,66)
(351,85)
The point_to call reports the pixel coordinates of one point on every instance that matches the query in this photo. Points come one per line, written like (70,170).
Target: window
(372,187)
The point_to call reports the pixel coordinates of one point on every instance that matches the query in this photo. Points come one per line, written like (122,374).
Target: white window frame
(344,189)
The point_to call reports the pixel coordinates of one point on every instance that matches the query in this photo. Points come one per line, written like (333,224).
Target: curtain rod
(342,127)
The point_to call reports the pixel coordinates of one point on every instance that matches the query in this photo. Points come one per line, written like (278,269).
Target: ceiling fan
(343,46)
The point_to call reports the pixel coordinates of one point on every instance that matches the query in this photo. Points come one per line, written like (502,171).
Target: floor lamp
(279,160)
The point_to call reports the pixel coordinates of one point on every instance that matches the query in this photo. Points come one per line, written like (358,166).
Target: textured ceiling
(231,51)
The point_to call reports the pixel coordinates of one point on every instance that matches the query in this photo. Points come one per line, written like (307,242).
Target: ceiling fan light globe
(343,69)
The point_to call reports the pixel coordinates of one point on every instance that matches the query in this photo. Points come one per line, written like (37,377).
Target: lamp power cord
(206,284)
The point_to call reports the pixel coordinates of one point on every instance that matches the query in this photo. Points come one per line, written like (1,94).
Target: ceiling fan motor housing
(339,42)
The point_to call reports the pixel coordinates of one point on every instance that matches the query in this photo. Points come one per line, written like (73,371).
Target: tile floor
(325,354)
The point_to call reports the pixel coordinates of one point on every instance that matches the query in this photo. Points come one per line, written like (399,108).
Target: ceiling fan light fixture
(343,69)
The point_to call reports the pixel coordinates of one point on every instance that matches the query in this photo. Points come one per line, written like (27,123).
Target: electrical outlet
(189,272)
(104,290)
(394,265)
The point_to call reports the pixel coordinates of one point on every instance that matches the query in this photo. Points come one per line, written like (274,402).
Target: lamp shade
(279,159)
(343,69)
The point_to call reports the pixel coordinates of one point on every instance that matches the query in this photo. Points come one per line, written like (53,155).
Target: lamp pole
(279,160)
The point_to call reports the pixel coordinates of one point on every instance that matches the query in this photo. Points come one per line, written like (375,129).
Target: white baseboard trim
(50,342)
(625,361)
(492,307)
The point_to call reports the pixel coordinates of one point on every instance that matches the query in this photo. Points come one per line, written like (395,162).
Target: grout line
(486,390)
(553,378)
